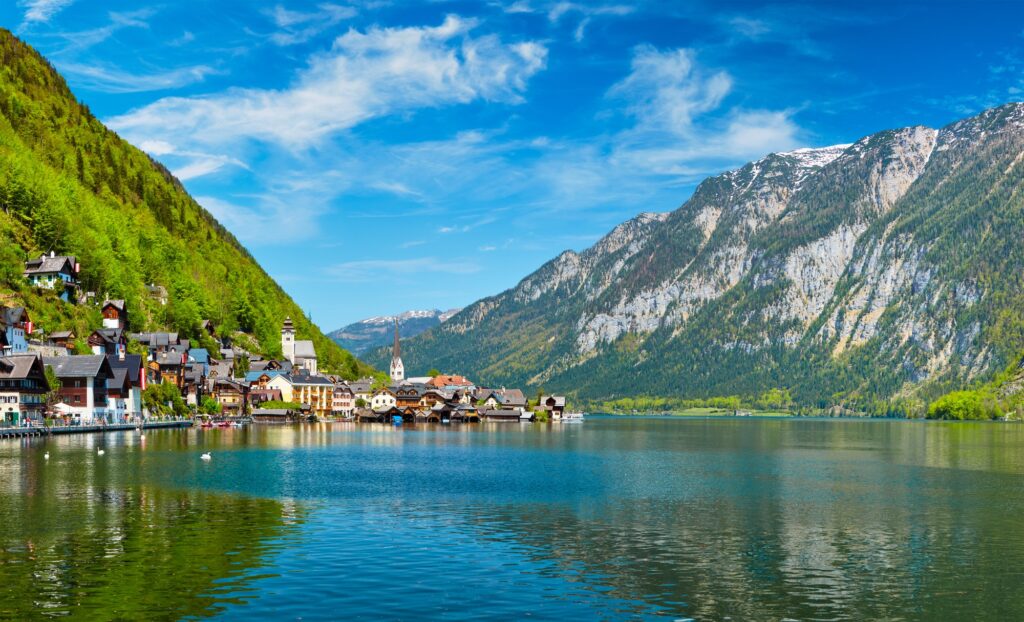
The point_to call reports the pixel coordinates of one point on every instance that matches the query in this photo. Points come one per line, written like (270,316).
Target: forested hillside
(870,276)
(70,185)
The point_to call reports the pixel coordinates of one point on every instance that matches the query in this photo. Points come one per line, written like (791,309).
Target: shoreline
(11,433)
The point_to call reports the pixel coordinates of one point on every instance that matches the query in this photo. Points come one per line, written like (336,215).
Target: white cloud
(681,124)
(76,42)
(560,9)
(42,11)
(299,27)
(666,90)
(107,79)
(365,75)
(373,269)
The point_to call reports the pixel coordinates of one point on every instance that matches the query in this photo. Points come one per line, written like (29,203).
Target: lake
(618,518)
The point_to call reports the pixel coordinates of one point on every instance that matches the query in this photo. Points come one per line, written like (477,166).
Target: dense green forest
(70,185)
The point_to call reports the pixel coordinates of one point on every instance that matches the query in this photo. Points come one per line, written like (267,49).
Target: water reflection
(83,535)
(708,519)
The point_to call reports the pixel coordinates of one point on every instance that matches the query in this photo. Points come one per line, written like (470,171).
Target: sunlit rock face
(869,267)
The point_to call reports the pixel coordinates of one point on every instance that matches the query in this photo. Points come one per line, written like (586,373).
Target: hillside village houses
(107,385)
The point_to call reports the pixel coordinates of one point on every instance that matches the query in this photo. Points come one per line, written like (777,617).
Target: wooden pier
(21,432)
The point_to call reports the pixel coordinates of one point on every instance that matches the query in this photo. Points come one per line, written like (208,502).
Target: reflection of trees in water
(133,554)
(762,557)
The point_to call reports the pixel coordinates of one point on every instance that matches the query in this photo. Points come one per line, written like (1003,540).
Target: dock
(21,432)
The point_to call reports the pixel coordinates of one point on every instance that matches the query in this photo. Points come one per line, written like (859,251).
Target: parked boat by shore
(572,418)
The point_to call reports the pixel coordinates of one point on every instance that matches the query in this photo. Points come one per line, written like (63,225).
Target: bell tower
(397,369)
(288,340)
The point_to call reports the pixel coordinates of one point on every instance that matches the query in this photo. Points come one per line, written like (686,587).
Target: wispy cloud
(74,42)
(374,269)
(466,228)
(41,11)
(365,75)
(681,119)
(301,26)
(107,79)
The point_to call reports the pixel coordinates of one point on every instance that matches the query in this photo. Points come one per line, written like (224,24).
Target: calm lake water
(705,519)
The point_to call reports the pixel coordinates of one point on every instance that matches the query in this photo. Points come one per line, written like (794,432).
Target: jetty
(21,432)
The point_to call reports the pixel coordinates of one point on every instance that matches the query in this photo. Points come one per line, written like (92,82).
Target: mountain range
(376,332)
(889,269)
(71,186)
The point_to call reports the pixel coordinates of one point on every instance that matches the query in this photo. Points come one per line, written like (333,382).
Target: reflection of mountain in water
(886,541)
(76,541)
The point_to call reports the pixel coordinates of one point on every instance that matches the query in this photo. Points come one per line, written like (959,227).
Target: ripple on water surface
(614,519)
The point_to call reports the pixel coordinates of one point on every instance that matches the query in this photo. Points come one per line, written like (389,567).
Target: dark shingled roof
(49,265)
(132,363)
(17,367)
(78,366)
(12,315)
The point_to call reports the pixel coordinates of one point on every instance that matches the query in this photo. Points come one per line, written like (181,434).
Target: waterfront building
(83,380)
(231,396)
(553,405)
(316,392)
(344,400)
(125,387)
(23,389)
(383,399)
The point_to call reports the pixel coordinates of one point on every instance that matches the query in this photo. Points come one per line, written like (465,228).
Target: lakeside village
(42,384)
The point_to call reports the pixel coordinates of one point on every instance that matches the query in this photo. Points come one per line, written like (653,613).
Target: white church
(301,354)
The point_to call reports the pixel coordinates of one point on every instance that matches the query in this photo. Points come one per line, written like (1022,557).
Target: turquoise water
(614,519)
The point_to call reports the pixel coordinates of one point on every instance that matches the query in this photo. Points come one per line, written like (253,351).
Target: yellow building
(317,392)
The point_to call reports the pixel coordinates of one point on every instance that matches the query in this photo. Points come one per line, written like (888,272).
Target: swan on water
(100,452)
(46,456)
(206,456)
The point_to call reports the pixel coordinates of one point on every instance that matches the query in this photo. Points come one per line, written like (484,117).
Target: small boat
(572,417)
(396,420)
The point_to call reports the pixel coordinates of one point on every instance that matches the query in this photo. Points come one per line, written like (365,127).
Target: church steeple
(396,350)
(397,369)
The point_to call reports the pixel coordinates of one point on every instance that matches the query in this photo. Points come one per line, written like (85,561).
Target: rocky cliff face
(851,271)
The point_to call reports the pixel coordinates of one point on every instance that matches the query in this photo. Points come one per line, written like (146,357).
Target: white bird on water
(100,452)
(46,456)
(206,456)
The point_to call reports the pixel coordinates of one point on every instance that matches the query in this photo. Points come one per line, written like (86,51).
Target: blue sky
(381,156)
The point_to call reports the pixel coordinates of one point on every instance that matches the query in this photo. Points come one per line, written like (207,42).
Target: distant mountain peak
(842,273)
(376,331)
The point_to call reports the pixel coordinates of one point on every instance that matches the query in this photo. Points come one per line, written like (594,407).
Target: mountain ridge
(837,271)
(374,332)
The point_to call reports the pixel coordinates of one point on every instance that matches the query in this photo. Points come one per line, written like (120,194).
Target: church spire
(396,351)
(397,369)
